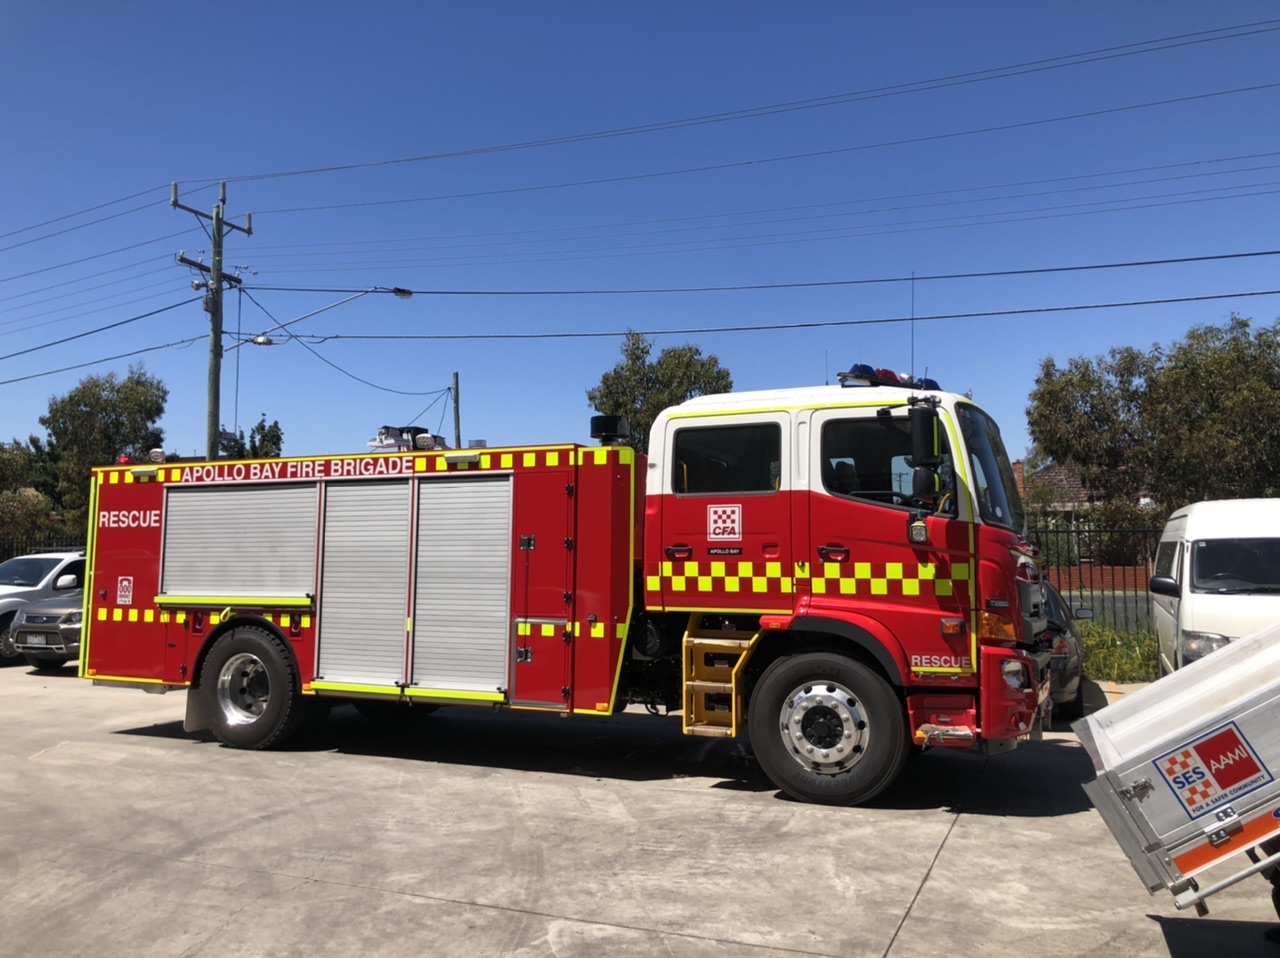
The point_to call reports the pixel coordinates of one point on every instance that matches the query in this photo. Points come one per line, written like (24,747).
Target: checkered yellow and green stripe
(889,578)
(826,578)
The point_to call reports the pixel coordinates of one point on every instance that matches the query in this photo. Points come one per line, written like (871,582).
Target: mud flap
(195,719)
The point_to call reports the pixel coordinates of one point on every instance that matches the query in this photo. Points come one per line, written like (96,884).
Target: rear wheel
(827,729)
(249,690)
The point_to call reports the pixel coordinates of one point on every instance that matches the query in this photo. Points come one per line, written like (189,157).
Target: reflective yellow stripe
(237,601)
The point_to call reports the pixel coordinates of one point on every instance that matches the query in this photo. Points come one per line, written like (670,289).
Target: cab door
(726,525)
(856,539)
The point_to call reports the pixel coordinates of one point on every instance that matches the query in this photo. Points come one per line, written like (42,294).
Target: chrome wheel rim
(824,727)
(244,689)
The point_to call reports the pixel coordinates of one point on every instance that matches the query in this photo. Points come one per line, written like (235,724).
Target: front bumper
(46,642)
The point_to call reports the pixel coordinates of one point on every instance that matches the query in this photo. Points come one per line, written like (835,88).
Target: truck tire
(249,690)
(827,729)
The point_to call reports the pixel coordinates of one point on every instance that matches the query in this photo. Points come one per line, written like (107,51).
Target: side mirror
(926,444)
(926,484)
(67,581)
(1083,613)
(1165,585)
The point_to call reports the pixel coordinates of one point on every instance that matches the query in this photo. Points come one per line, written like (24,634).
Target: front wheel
(7,652)
(249,690)
(827,729)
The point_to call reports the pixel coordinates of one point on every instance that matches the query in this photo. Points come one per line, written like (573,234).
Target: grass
(1118,656)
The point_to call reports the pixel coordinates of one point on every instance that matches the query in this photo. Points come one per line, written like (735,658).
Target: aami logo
(1213,769)
(724,522)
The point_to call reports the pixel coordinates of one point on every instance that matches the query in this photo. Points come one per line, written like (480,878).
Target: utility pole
(213,305)
(457,416)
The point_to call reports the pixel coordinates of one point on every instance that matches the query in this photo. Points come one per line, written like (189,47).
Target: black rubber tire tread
(285,709)
(43,665)
(887,748)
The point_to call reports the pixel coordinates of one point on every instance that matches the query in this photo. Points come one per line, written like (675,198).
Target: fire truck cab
(838,572)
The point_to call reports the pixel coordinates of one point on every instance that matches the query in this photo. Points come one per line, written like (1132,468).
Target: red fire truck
(837,571)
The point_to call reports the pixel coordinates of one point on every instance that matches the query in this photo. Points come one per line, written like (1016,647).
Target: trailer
(1188,770)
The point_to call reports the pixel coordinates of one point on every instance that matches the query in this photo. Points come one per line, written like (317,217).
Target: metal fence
(11,546)
(1102,568)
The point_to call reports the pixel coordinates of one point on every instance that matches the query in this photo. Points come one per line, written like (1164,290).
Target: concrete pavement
(472,834)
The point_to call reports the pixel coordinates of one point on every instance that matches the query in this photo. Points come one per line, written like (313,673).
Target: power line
(760,161)
(104,359)
(80,226)
(986,274)
(347,373)
(977,76)
(72,282)
(89,312)
(100,329)
(816,324)
(91,209)
(85,259)
(809,206)
(741,225)
(867,230)
(700,330)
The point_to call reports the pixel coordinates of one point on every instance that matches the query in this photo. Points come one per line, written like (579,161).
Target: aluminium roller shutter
(239,540)
(364,580)
(462,618)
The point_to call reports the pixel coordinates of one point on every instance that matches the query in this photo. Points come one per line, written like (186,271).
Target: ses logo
(724,523)
(1215,768)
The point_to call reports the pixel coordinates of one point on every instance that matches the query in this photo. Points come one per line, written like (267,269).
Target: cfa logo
(724,523)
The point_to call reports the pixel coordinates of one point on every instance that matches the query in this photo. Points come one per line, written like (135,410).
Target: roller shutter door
(462,618)
(364,582)
(239,540)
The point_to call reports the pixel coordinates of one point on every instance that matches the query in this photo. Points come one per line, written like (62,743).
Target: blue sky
(120,100)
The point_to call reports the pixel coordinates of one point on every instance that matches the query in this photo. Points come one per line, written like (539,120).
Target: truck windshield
(1235,566)
(993,486)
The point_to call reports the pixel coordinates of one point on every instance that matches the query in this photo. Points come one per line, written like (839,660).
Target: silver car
(47,634)
(33,578)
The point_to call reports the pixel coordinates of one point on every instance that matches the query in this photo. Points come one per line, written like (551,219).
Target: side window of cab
(869,458)
(740,458)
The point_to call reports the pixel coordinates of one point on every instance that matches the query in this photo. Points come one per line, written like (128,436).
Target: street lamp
(264,339)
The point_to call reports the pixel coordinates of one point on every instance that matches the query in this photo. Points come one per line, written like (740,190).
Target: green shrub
(1116,656)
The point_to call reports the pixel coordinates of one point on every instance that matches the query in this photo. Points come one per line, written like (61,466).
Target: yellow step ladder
(712,661)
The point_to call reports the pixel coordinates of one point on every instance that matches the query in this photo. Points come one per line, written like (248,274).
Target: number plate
(31,638)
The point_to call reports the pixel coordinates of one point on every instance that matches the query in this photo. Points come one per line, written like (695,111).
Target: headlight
(17,619)
(72,619)
(1015,675)
(1196,645)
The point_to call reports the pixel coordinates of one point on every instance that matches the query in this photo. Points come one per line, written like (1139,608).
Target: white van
(1217,577)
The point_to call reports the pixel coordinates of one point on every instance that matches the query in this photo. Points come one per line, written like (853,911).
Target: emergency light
(860,374)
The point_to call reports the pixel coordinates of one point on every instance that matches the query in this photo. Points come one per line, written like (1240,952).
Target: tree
(640,389)
(1198,420)
(101,419)
(265,442)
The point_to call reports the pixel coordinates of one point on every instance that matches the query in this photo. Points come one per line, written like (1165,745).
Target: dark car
(1063,641)
(47,634)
